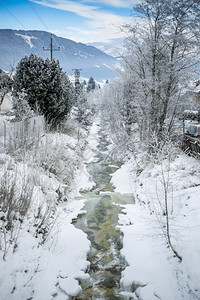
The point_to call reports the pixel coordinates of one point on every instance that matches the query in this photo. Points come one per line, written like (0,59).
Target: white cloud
(83,10)
(99,25)
(114,3)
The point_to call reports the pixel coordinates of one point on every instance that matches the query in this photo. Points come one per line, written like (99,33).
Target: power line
(38,16)
(46,28)
(13,15)
(18,21)
(62,53)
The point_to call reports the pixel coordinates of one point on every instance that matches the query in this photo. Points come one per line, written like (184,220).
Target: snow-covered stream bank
(151,263)
(33,269)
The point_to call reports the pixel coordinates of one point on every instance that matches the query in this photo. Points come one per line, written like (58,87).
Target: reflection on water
(102,206)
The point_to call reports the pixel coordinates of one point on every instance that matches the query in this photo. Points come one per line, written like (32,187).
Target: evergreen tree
(69,95)
(51,104)
(48,89)
(91,85)
(28,77)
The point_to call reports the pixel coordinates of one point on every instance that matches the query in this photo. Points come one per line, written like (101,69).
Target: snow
(54,266)
(7,102)
(27,39)
(53,269)
(14,134)
(122,180)
(83,180)
(152,271)
(45,270)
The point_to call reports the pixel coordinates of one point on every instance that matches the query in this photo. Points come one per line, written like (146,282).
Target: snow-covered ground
(37,270)
(41,271)
(152,268)
(7,103)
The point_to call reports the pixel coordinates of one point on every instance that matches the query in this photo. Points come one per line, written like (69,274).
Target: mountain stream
(102,207)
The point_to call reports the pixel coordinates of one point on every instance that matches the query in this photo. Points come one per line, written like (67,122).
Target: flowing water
(102,207)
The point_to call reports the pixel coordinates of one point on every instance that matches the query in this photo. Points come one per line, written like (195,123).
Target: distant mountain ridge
(15,44)
(114,47)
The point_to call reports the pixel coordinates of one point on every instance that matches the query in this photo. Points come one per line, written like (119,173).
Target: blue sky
(81,20)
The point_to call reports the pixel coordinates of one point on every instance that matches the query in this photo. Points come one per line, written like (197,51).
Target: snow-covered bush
(21,107)
(16,191)
(20,135)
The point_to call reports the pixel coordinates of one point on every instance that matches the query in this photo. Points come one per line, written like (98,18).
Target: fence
(15,135)
(192,144)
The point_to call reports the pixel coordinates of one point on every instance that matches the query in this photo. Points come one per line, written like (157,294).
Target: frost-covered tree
(47,87)
(113,109)
(29,77)
(21,106)
(84,82)
(82,110)
(69,93)
(5,85)
(51,103)
(162,50)
(91,84)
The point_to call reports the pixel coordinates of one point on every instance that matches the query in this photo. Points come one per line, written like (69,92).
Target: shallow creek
(102,207)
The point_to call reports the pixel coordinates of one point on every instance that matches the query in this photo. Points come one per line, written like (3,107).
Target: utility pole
(51,47)
(77,75)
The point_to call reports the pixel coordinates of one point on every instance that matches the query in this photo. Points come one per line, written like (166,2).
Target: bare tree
(5,85)
(162,49)
(164,205)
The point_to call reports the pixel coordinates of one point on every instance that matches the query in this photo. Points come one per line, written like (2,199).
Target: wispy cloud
(113,3)
(100,25)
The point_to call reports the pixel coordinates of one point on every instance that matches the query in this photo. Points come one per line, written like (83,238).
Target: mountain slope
(114,47)
(15,44)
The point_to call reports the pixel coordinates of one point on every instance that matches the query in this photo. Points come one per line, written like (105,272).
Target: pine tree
(91,84)
(28,77)
(48,89)
(51,104)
